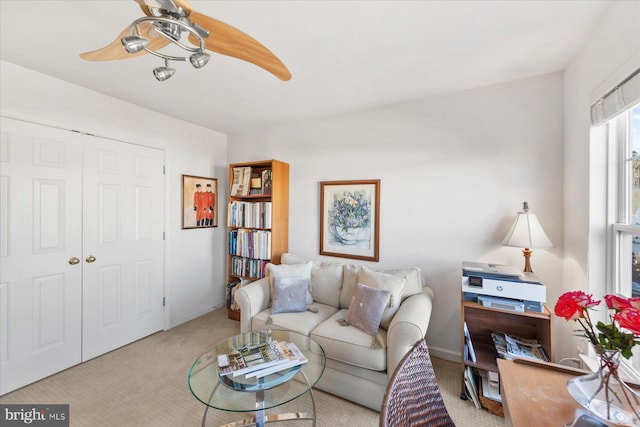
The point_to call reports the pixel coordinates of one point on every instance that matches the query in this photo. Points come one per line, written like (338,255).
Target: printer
(502,286)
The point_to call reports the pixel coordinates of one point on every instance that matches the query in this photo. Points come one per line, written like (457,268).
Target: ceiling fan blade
(115,50)
(227,40)
(145,9)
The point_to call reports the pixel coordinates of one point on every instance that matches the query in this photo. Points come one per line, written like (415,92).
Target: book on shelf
(266,181)
(469,352)
(286,350)
(510,346)
(249,214)
(260,360)
(241,181)
(255,186)
(230,292)
(490,387)
(471,386)
(250,243)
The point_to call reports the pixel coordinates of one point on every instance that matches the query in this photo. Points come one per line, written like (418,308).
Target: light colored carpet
(145,384)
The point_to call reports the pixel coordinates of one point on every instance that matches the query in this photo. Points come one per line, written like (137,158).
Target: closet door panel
(123,229)
(40,233)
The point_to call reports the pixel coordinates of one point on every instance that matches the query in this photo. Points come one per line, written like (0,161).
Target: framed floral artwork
(350,219)
(199,202)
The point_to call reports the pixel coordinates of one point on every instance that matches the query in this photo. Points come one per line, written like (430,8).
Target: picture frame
(199,202)
(350,219)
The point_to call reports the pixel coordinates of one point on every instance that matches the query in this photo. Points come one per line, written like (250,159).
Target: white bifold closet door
(81,248)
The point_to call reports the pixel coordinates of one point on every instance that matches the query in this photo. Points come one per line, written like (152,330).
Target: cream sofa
(358,364)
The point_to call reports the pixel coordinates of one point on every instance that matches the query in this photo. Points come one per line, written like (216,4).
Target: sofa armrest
(408,326)
(252,298)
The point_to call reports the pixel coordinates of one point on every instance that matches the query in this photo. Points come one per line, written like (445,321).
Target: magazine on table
(267,357)
(510,346)
(287,350)
(249,359)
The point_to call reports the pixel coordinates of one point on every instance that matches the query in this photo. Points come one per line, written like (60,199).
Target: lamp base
(527,260)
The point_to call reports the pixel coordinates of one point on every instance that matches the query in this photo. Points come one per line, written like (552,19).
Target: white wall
(194,259)
(454,171)
(611,54)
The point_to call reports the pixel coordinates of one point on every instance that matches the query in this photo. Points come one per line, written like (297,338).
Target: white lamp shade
(526,232)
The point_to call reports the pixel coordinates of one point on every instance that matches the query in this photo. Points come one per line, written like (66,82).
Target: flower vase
(605,395)
(348,235)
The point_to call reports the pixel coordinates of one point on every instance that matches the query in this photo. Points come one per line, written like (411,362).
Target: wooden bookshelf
(277,228)
(481,321)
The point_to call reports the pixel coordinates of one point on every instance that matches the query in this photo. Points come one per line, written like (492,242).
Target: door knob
(90,258)
(73,260)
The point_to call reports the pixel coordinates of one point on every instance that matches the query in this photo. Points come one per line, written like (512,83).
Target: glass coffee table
(251,395)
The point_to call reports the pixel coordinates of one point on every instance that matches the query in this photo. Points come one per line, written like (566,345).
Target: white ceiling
(343,55)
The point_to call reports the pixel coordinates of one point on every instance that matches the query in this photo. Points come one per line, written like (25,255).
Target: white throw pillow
(349,283)
(290,270)
(287,258)
(414,280)
(326,282)
(387,282)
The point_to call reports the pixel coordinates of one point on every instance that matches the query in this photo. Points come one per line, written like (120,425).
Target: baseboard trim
(441,353)
(191,316)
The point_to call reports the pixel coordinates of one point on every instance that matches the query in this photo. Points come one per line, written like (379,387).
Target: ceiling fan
(167,21)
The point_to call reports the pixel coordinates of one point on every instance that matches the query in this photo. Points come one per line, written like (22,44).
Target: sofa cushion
(289,294)
(349,283)
(326,279)
(287,258)
(326,282)
(302,322)
(387,282)
(351,345)
(290,270)
(414,280)
(366,308)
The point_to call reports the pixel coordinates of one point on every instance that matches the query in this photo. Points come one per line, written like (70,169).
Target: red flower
(629,318)
(617,303)
(623,331)
(571,305)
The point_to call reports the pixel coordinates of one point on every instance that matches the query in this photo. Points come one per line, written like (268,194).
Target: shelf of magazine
(510,346)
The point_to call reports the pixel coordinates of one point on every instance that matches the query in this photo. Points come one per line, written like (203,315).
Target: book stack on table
(261,360)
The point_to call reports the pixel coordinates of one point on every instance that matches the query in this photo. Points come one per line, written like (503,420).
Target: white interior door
(123,245)
(40,234)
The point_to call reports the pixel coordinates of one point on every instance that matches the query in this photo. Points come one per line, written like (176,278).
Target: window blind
(617,100)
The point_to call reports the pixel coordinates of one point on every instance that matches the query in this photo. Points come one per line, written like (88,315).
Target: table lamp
(526,232)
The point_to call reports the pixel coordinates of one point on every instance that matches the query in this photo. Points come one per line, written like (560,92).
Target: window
(615,185)
(623,134)
(624,137)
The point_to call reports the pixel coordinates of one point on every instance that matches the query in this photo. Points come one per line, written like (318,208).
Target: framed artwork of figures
(349,219)
(199,202)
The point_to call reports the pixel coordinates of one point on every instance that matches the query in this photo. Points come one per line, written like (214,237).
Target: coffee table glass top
(238,394)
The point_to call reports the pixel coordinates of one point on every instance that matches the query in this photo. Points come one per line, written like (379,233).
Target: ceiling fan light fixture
(134,44)
(199,59)
(170,29)
(171,21)
(163,73)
